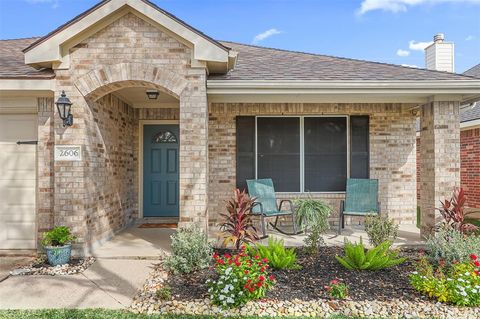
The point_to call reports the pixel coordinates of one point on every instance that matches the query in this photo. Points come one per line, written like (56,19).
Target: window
(303,153)
(164,137)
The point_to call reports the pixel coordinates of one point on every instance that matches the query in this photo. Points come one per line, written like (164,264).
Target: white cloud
(410,65)
(470,38)
(419,46)
(264,35)
(55,3)
(401,52)
(401,5)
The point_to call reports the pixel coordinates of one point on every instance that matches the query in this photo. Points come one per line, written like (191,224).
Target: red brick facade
(469,163)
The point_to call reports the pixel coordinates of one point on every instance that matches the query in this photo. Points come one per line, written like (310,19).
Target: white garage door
(17,181)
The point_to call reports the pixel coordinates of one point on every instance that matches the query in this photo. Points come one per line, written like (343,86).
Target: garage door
(17,181)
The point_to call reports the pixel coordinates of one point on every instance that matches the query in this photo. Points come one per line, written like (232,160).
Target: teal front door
(160,170)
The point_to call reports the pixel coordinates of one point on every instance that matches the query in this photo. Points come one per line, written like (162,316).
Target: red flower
(328,288)
(245,286)
(242,248)
(259,284)
(265,260)
(473,257)
(251,289)
(227,256)
(256,257)
(220,261)
(262,269)
(477,272)
(272,277)
(215,255)
(249,280)
(237,264)
(246,272)
(477,263)
(230,261)
(261,278)
(334,282)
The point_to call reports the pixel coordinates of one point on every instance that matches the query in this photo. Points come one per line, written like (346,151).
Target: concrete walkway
(106,284)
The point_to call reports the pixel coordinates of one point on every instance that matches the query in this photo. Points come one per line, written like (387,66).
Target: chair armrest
(257,204)
(286,201)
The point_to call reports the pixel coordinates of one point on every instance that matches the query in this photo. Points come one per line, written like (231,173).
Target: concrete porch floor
(150,243)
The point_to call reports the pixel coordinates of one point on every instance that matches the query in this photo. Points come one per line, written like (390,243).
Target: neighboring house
(217,113)
(469,148)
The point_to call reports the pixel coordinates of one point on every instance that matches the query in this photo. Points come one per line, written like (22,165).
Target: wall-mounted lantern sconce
(152,94)
(63,106)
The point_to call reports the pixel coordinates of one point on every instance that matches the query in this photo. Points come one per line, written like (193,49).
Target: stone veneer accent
(392,152)
(129,52)
(440,158)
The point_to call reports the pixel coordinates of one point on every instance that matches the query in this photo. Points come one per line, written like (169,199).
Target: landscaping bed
(308,282)
(40,266)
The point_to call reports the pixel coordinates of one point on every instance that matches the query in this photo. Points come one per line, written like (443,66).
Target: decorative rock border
(41,267)
(147,302)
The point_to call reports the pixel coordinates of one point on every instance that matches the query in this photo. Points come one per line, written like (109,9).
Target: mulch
(308,283)
(159,225)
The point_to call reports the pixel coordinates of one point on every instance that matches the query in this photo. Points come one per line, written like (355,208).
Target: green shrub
(240,278)
(278,256)
(190,251)
(380,228)
(312,217)
(379,257)
(450,245)
(458,284)
(59,236)
(164,293)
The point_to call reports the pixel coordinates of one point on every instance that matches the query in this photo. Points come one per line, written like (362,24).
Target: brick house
(469,149)
(168,121)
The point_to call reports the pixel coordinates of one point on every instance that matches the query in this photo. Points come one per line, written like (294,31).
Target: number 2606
(69,153)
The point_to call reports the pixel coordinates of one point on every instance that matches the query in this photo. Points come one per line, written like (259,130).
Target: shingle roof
(12,62)
(470,113)
(260,63)
(473,71)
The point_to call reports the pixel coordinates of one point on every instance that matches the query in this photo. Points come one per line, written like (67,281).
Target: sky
(391,31)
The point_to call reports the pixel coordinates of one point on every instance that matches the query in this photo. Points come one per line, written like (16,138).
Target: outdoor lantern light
(63,106)
(152,94)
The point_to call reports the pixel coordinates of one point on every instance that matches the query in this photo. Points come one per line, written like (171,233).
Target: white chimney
(440,54)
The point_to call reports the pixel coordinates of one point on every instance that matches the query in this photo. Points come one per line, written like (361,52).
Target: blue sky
(392,31)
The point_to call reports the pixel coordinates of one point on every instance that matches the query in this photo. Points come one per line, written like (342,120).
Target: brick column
(194,151)
(440,158)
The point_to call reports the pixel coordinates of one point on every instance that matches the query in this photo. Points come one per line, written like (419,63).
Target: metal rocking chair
(361,199)
(266,204)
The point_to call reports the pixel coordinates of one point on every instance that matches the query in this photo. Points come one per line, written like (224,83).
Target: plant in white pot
(58,245)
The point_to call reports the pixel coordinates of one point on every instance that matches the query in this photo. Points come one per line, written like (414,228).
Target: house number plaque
(68,153)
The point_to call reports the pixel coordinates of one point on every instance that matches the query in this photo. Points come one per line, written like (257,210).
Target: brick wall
(469,164)
(392,152)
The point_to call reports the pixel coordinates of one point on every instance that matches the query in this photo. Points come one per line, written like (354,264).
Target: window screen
(325,154)
(360,158)
(245,150)
(278,152)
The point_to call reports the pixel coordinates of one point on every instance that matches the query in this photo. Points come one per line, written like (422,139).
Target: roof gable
(53,48)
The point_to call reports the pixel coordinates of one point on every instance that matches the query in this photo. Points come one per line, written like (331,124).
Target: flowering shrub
(458,285)
(451,246)
(241,278)
(337,289)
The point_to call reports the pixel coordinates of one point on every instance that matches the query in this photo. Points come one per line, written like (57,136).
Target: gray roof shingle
(12,61)
(473,71)
(260,63)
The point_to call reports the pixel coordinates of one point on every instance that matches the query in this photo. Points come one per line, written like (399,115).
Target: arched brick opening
(109,78)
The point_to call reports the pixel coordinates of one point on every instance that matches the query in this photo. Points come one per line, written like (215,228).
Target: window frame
(302,148)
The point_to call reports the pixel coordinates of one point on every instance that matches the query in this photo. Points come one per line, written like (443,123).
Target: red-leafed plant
(238,225)
(453,212)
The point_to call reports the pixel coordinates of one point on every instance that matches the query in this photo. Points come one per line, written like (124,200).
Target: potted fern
(58,245)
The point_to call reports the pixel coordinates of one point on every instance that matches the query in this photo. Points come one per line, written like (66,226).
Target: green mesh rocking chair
(266,204)
(361,199)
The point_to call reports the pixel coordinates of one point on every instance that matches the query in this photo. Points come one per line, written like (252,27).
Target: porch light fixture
(63,106)
(152,94)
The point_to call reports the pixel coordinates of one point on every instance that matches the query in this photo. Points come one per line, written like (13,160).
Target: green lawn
(105,314)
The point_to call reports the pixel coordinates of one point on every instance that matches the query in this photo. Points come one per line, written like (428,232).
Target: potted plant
(58,245)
